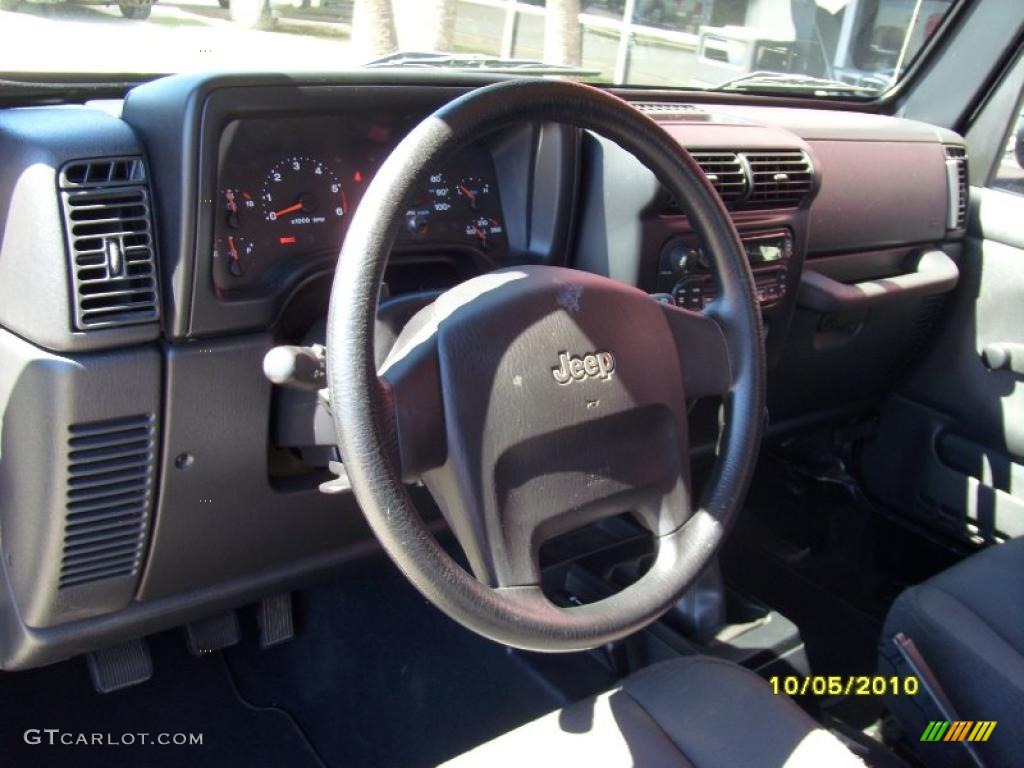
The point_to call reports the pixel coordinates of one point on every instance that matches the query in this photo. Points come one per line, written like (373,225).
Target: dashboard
(156,249)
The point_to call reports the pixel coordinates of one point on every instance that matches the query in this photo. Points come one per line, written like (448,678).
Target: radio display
(764,252)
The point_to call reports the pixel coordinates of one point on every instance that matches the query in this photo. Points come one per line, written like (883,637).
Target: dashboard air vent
(725,172)
(103,173)
(959,192)
(108,224)
(110,491)
(778,179)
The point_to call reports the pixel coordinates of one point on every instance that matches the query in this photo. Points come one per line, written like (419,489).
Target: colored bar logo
(958,730)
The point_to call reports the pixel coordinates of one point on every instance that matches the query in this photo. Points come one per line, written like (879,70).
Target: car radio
(686,272)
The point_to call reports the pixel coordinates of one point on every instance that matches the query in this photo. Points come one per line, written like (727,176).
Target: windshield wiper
(793,82)
(478,63)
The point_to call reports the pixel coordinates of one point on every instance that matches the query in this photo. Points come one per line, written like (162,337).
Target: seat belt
(915,660)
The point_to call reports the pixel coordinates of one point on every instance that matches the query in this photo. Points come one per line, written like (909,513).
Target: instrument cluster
(287,188)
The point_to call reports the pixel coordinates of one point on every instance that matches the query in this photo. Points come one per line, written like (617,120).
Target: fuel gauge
(234,255)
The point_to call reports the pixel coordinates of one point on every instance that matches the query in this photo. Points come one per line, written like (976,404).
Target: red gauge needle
(467,193)
(231,201)
(479,232)
(233,249)
(290,209)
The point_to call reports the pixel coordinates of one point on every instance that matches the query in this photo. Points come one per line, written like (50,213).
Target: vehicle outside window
(847,48)
(1009,173)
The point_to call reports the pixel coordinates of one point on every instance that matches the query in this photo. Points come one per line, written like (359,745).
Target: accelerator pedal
(207,636)
(275,620)
(120,666)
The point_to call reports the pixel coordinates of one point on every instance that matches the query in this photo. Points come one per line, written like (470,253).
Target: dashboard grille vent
(108,223)
(778,179)
(110,490)
(103,173)
(668,109)
(959,192)
(725,172)
(748,179)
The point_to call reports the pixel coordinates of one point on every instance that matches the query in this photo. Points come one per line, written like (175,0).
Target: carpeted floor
(186,695)
(375,677)
(379,677)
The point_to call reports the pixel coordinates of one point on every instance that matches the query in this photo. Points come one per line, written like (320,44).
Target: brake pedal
(120,666)
(213,634)
(275,620)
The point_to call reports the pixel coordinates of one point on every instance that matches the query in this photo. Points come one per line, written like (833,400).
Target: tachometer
(303,192)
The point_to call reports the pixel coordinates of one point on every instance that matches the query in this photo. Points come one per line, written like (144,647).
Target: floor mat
(379,677)
(186,695)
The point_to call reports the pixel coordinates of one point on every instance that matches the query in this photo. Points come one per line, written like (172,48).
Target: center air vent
(778,178)
(725,172)
(108,224)
(749,179)
(110,491)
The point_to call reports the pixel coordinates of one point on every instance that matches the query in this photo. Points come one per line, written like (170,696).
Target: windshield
(848,48)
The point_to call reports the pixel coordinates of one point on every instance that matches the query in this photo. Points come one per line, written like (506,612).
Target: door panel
(949,450)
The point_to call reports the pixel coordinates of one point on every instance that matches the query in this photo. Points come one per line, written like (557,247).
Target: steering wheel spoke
(703,352)
(412,379)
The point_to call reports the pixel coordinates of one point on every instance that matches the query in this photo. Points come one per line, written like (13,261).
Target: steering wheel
(534,400)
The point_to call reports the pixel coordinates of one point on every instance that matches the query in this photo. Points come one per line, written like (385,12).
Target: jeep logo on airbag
(599,365)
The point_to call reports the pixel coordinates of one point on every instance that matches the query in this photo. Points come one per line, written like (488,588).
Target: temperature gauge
(473,190)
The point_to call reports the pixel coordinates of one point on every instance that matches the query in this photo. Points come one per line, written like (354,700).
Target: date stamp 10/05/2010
(845,685)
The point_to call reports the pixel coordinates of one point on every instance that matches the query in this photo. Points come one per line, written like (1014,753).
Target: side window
(1009,172)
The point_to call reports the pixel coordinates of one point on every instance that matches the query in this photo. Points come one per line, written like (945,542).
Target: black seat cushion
(968,623)
(694,711)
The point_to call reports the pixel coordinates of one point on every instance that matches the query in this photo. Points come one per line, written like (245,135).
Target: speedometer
(302,192)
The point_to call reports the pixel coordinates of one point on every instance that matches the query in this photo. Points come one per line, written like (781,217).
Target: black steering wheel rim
(364,412)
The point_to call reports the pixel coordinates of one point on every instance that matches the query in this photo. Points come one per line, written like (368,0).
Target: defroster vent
(108,223)
(109,496)
(668,110)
